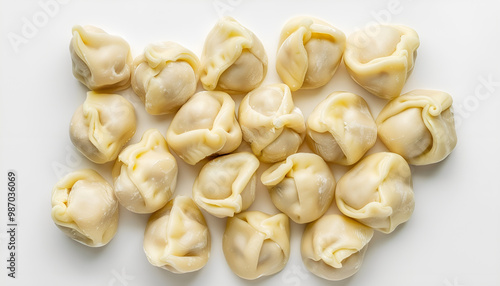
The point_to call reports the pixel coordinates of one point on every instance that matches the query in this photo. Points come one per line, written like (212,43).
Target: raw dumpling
(205,125)
(165,76)
(256,244)
(85,208)
(271,123)
(177,237)
(226,185)
(381,57)
(145,174)
(233,58)
(333,247)
(419,125)
(100,61)
(102,125)
(378,192)
(309,53)
(341,128)
(302,187)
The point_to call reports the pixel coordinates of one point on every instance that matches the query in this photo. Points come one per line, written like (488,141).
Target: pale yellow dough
(165,76)
(177,237)
(419,125)
(333,247)
(310,51)
(226,185)
(100,61)
(377,191)
(233,58)
(302,187)
(271,123)
(380,58)
(102,125)
(85,208)
(205,125)
(341,128)
(256,244)
(145,174)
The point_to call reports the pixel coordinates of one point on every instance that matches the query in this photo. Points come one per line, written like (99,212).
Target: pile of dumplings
(375,194)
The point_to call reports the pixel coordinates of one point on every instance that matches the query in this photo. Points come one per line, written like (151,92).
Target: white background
(453,237)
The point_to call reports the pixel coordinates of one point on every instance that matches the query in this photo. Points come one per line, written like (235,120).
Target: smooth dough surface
(271,123)
(380,58)
(85,208)
(205,125)
(419,125)
(333,247)
(341,128)
(165,76)
(100,61)
(309,53)
(102,125)
(233,58)
(302,187)
(177,237)
(377,191)
(226,185)
(256,244)
(145,174)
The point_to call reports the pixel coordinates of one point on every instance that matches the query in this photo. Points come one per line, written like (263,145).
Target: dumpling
(381,57)
(100,61)
(419,126)
(341,128)
(333,247)
(145,174)
(302,187)
(85,208)
(226,185)
(233,58)
(165,76)
(271,123)
(256,244)
(177,237)
(309,53)
(205,125)
(102,125)
(378,192)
